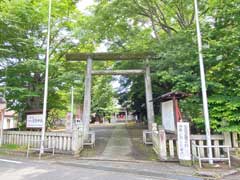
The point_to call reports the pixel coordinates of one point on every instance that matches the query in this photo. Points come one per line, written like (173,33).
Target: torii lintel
(104,56)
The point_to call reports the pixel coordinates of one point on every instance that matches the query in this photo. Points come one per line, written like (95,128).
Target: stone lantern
(3,105)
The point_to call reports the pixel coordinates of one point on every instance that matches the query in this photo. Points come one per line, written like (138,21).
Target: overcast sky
(83,4)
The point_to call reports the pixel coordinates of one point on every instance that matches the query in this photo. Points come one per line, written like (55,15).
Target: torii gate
(89,57)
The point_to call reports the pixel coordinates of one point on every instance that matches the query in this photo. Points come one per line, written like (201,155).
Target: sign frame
(172,126)
(37,120)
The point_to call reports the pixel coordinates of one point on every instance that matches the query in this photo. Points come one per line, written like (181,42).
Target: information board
(168,120)
(34,121)
(183,133)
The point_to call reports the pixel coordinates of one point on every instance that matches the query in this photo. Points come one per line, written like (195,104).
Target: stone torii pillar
(149,98)
(87,98)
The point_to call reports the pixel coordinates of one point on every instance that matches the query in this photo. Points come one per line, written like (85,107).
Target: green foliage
(23,32)
(158,119)
(23,26)
(166,28)
(14,147)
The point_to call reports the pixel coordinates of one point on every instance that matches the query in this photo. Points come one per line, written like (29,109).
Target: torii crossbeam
(104,56)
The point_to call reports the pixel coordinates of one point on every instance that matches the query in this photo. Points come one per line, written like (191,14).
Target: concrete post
(227,139)
(162,144)
(154,127)
(3,105)
(149,103)
(1,126)
(115,116)
(126,116)
(87,97)
(77,141)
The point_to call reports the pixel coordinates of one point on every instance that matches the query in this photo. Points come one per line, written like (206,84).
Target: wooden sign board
(34,121)
(168,116)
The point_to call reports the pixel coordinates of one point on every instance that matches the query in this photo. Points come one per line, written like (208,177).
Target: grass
(13,147)
(237,152)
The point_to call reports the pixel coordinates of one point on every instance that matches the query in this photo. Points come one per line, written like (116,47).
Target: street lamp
(46,80)
(203,85)
(3,105)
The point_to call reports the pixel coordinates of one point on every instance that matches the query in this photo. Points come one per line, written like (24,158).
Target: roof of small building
(10,113)
(34,111)
(171,95)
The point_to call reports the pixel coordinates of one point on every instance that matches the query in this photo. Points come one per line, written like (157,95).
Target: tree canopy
(163,27)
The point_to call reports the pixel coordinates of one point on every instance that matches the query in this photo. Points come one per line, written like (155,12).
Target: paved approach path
(119,142)
(119,145)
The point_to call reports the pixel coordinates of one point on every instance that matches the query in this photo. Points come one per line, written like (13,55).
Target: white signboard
(183,133)
(34,121)
(168,120)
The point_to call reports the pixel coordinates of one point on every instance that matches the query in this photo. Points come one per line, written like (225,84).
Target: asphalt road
(50,170)
(111,142)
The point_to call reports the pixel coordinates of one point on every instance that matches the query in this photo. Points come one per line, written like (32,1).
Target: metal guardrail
(204,158)
(38,142)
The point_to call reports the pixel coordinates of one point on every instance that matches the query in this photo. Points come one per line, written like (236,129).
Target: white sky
(83,4)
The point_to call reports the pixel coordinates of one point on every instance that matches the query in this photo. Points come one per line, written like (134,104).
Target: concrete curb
(216,174)
(144,172)
(116,160)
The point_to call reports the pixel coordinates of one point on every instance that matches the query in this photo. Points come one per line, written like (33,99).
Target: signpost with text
(34,121)
(184,149)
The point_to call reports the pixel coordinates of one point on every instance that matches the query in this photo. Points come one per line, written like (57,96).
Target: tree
(167,28)
(23,26)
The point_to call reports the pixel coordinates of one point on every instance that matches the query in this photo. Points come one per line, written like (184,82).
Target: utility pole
(203,85)
(3,106)
(46,80)
(72,104)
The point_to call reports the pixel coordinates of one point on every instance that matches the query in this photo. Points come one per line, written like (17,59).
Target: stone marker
(183,141)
